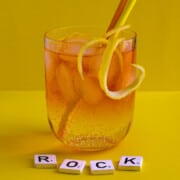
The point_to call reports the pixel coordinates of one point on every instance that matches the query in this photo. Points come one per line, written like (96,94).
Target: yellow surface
(24,131)
(23,24)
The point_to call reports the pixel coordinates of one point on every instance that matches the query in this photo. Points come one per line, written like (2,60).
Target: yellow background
(23,23)
(24,130)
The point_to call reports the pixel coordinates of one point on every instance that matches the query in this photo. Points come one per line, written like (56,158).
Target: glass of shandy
(80,113)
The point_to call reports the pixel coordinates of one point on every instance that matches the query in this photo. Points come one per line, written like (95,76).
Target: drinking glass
(80,113)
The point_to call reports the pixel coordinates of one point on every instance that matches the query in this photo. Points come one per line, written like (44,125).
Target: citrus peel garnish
(112,41)
(89,44)
(126,91)
(83,49)
(116,31)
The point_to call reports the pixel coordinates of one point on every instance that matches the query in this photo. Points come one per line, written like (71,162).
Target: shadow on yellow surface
(154,134)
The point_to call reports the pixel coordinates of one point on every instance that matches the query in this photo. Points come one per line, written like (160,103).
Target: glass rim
(55,39)
(49,34)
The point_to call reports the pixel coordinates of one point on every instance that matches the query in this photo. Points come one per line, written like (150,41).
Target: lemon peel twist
(83,49)
(126,91)
(112,41)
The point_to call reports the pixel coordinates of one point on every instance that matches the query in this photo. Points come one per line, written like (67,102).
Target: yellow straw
(125,14)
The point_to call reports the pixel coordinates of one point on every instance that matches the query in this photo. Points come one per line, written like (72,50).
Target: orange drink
(80,113)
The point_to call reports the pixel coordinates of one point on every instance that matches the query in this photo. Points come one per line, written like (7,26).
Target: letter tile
(72,166)
(101,167)
(45,161)
(130,163)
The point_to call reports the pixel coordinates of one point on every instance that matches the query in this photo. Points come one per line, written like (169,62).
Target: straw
(122,13)
(117,14)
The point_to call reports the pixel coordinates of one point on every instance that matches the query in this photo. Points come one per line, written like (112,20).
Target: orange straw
(117,14)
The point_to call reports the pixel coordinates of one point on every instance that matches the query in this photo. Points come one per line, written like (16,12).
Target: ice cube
(64,76)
